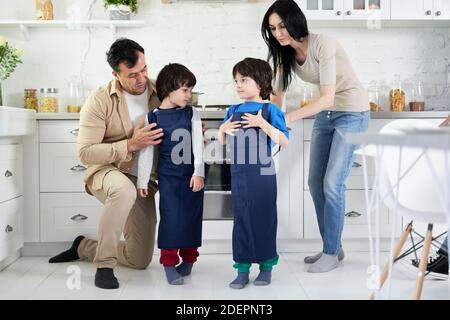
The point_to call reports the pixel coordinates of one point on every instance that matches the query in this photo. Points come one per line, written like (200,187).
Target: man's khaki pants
(123,211)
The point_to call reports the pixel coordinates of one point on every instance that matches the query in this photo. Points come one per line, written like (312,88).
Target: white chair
(409,182)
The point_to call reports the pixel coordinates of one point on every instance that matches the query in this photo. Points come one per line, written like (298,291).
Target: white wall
(210,38)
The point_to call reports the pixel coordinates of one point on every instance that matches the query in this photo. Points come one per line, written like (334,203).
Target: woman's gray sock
(172,275)
(263,278)
(314,258)
(240,281)
(325,263)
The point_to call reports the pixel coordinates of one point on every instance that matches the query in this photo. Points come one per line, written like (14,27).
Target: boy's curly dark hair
(260,71)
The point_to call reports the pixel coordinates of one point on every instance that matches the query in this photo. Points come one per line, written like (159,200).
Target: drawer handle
(349,13)
(353,214)
(78,168)
(75,131)
(79,217)
(338,13)
(8,174)
(438,13)
(356,165)
(9,229)
(428,13)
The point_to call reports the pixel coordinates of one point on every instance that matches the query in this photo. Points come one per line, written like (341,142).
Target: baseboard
(221,246)
(10,259)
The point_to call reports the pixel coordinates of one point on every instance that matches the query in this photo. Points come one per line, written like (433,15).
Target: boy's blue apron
(254,193)
(180,208)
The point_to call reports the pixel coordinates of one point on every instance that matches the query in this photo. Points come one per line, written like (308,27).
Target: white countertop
(221,114)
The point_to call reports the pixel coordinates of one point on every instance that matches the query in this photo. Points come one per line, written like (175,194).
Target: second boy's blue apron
(180,208)
(254,193)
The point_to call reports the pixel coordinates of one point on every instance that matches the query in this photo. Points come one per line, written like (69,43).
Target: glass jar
(397,97)
(417,102)
(49,100)
(48,10)
(374,97)
(74,96)
(30,100)
(307,95)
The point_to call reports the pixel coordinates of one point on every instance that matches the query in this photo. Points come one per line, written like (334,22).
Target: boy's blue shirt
(276,116)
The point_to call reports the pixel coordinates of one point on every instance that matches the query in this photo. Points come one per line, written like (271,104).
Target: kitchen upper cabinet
(367,9)
(322,9)
(420,9)
(346,9)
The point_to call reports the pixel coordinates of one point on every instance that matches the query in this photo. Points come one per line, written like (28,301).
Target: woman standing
(342,107)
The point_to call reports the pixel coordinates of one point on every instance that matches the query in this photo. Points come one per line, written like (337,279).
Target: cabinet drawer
(11,171)
(60,168)
(355,220)
(11,237)
(374,126)
(58,130)
(67,215)
(355,180)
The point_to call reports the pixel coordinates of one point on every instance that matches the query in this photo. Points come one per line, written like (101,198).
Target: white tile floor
(34,278)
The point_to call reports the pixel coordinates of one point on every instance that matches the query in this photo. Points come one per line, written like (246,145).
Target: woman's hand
(197,183)
(251,121)
(230,127)
(143,193)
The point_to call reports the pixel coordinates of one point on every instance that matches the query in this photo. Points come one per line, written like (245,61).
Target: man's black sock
(68,255)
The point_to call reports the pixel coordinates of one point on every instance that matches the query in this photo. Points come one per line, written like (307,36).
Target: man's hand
(144,136)
(196,183)
(230,127)
(143,193)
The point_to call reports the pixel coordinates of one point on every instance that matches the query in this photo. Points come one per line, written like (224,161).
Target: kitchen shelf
(113,25)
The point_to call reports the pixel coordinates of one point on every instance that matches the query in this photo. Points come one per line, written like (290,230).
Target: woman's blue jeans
(331,159)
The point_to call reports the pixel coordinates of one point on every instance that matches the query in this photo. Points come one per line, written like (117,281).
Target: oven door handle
(217,192)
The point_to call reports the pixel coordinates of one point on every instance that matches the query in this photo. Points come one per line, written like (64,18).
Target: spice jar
(30,100)
(374,97)
(397,96)
(417,102)
(49,100)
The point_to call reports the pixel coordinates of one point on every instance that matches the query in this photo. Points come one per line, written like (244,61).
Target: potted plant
(9,59)
(121,9)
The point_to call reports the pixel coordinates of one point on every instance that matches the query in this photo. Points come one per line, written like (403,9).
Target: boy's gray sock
(172,275)
(325,263)
(184,268)
(314,258)
(240,281)
(263,278)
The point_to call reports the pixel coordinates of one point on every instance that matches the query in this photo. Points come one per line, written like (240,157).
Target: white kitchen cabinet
(60,167)
(355,221)
(11,235)
(10,171)
(367,9)
(65,216)
(346,9)
(322,9)
(420,9)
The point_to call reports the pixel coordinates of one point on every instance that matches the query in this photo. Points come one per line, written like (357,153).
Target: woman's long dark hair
(295,22)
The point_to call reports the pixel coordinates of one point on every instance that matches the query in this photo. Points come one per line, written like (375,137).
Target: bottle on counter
(74,95)
(374,97)
(30,99)
(417,102)
(49,100)
(48,10)
(40,9)
(397,97)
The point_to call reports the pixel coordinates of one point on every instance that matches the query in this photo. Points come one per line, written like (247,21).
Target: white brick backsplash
(210,38)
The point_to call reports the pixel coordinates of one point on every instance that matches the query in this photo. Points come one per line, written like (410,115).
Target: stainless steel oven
(217,203)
